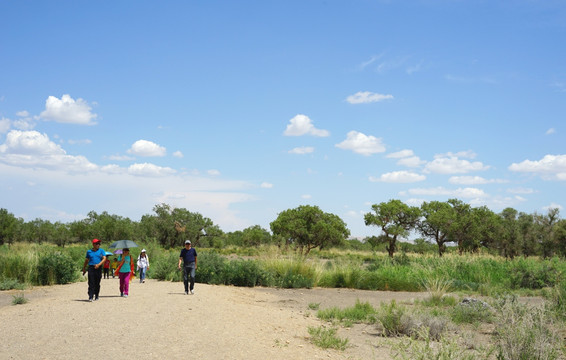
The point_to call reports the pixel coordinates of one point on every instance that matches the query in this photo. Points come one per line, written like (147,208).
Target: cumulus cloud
(178,154)
(151,170)
(550,167)
(5,125)
(306,196)
(302,125)
(550,131)
(362,144)
(213,172)
(521,191)
(400,154)
(366,97)
(399,177)
(474,180)
(67,110)
(146,148)
(451,164)
(266,185)
(34,150)
(302,150)
(456,193)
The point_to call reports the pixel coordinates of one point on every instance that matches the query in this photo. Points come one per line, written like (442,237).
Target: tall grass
(270,266)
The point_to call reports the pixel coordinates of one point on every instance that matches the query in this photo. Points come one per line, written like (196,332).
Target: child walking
(125,270)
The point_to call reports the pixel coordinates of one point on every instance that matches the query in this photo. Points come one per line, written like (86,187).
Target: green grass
(326,338)
(19,299)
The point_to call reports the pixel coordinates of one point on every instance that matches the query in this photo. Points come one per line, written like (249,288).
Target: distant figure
(143,265)
(125,270)
(114,267)
(95,258)
(189,257)
(107,269)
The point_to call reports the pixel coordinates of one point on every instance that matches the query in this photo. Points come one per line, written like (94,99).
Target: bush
(524,332)
(9,284)
(56,268)
(531,275)
(389,316)
(211,268)
(326,338)
(164,267)
(242,273)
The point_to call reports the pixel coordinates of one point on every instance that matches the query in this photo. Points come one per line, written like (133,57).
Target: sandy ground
(158,320)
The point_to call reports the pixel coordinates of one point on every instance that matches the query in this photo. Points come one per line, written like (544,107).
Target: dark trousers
(189,276)
(94,277)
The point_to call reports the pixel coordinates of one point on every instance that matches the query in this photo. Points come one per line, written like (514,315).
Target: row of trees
(509,233)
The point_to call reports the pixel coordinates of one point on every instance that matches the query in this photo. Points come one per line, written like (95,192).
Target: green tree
(8,227)
(438,218)
(546,229)
(255,236)
(395,219)
(308,227)
(509,234)
(527,230)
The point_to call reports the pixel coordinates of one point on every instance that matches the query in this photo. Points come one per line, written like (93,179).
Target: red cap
(94,241)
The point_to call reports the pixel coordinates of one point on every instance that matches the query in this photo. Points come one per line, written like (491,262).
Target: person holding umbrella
(125,270)
(95,258)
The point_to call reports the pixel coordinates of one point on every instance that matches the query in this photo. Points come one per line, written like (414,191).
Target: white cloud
(178,154)
(551,167)
(520,190)
(266,185)
(151,170)
(22,113)
(400,154)
(468,154)
(362,144)
(306,196)
(120,158)
(31,149)
(413,161)
(67,110)
(399,177)
(441,191)
(453,165)
(4,125)
(213,172)
(550,131)
(302,125)
(474,180)
(147,148)
(366,97)
(552,206)
(302,150)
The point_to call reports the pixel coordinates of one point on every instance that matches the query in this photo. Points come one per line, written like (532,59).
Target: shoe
(125,295)
(121,294)
(186,293)
(89,299)
(95,298)
(143,281)
(192,292)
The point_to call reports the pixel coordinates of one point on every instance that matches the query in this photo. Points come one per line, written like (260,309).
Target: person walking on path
(143,265)
(114,267)
(189,257)
(125,270)
(95,258)
(106,269)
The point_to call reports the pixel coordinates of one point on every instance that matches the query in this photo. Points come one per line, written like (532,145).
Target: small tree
(395,219)
(307,227)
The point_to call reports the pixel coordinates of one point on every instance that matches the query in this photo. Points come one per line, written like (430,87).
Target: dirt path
(158,321)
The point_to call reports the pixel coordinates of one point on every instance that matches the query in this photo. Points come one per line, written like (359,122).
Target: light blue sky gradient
(239,110)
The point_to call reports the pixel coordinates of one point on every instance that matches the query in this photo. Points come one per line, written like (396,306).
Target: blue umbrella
(121,244)
(108,253)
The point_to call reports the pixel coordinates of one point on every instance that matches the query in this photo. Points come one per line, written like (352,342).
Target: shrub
(9,284)
(471,312)
(360,312)
(326,338)
(389,317)
(56,268)
(524,332)
(242,273)
(164,267)
(19,299)
(532,275)
(211,268)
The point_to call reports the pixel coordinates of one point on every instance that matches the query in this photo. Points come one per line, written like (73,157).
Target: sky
(239,110)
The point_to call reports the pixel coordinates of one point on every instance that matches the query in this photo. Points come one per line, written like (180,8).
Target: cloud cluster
(69,111)
(147,149)
(366,97)
(362,144)
(302,125)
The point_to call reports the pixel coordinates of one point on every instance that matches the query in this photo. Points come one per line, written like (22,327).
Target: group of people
(123,267)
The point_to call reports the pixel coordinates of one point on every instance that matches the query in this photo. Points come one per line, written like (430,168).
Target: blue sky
(239,110)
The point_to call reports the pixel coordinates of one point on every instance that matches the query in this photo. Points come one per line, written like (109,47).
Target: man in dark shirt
(189,257)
